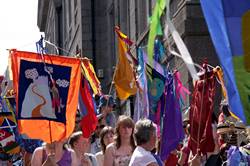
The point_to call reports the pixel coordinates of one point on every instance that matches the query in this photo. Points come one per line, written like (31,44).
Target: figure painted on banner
(54,154)
(145,137)
(119,153)
(56,102)
(81,147)
(106,137)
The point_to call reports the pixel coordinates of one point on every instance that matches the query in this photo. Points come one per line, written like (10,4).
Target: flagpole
(50,134)
(111,86)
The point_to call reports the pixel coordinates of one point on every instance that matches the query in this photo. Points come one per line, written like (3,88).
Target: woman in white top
(119,152)
(106,137)
(145,138)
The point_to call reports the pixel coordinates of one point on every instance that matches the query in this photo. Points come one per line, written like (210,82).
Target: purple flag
(172,131)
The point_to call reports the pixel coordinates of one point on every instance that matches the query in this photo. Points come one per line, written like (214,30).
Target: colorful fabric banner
(200,115)
(172,132)
(124,78)
(156,83)
(229,24)
(7,137)
(90,75)
(155,25)
(46,94)
(141,109)
(87,108)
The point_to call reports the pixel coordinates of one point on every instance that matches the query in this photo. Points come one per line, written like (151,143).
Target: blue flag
(229,26)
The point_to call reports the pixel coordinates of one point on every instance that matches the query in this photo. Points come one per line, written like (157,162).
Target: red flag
(87,108)
(201,115)
(46,94)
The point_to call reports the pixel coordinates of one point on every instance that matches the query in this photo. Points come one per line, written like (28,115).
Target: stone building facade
(87,27)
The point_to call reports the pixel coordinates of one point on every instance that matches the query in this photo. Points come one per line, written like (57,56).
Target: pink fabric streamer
(179,88)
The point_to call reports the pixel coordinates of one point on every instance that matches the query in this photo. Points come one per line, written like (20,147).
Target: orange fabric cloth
(35,91)
(124,76)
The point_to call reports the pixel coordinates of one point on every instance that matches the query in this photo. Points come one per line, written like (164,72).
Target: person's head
(51,147)
(78,142)
(124,130)
(145,134)
(224,108)
(106,137)
(99,127)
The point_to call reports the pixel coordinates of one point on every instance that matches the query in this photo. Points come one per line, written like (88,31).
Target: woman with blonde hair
(119,153)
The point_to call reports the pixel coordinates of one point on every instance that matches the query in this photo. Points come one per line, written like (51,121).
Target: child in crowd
(106,137)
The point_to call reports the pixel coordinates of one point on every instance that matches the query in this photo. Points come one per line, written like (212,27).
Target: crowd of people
(123,142)
(117,147)
(130,143)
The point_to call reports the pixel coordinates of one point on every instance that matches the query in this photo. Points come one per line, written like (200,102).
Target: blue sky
(18,28)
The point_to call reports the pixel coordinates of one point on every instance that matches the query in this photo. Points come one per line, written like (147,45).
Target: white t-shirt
(141,157)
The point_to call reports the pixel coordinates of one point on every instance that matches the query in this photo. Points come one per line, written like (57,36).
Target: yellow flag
(124,76)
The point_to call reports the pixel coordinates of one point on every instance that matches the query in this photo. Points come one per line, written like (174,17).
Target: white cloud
(18,27)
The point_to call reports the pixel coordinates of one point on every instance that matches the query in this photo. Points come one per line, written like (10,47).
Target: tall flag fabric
(229,23)
(200,116)
(156,86)
(47,91)
(124,78)
(90,75)
(172,132)
(87,107)
(156,78)
(141,109)
(155,27)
